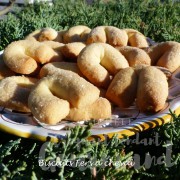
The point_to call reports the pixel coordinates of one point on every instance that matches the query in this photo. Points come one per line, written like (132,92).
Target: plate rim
(128,130)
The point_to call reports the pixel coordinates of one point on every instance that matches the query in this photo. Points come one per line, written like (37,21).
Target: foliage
(34,159)
(168,148)
(27,162)
(157,20)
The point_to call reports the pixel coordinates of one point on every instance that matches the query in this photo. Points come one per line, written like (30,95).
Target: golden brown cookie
(15,91)
(55,67)
(46,34)
(152,89)
(165,54)
(23,56)
(72,50)
(52,97)
(108,34)
(100,109)
(134,55)
(76,34)
(98,61)
(123,88)
(4,70)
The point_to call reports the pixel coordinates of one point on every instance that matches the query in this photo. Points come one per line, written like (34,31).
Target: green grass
(159,21)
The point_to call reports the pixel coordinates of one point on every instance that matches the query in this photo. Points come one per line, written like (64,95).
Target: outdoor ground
(22,158)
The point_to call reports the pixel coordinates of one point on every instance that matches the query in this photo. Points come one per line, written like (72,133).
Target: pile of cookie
(82,73)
